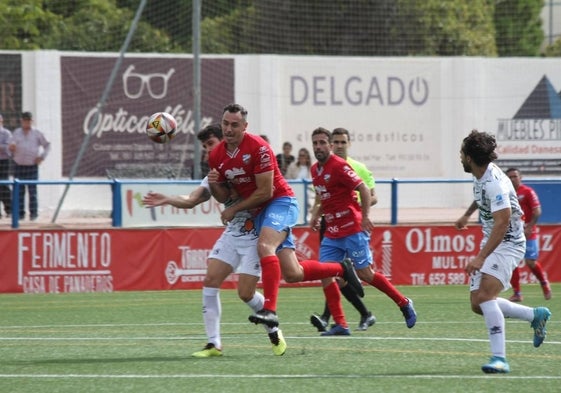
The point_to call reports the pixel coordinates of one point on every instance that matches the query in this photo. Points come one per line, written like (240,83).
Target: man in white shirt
(5,193)
(29,148)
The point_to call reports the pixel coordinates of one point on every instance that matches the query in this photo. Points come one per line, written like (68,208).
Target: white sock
(257,301)
(256,304)
(514,310)
(495,322)
(212,311)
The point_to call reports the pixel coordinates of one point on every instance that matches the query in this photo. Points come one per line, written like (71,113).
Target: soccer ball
(161,127)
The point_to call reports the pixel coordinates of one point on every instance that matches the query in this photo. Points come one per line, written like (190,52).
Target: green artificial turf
(142,342)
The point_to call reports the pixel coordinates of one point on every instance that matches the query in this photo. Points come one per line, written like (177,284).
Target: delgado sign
(57,261)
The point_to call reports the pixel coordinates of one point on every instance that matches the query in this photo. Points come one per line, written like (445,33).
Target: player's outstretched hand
(153,199)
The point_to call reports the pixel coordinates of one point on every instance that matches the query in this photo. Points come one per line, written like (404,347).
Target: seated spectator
(300,169)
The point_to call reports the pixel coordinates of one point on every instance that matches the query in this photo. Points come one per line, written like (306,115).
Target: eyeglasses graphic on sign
(156,83)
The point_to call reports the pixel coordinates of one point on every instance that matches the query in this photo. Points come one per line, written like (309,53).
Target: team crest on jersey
(327,177)
(246,158)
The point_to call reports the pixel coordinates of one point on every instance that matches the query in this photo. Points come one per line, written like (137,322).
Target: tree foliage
(519,27)
(86,25)
(301,27)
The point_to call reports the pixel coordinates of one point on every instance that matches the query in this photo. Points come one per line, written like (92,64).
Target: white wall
(464,93)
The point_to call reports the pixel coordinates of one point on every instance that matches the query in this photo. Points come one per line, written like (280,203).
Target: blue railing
(549,190)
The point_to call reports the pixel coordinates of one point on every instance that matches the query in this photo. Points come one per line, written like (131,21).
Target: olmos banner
(65,261)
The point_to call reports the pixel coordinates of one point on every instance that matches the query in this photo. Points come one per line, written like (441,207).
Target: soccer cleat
(208,351)
(349,275)
(541,315)
(546,290)
(265,317)
(318,322)
(337,330)
(496,365)
(366,321)
(517,297)
(409,314)
(279,345)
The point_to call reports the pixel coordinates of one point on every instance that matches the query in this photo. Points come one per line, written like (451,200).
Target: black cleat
(265,317)
(349,274)
(366,321)
(319,323)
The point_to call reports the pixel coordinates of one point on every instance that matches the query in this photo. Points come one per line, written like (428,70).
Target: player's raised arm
(198,196)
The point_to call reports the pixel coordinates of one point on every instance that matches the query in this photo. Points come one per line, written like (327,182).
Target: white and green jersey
(242,225)
(494,192)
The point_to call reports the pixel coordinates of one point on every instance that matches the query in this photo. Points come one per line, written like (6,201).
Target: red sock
(315,270)
(381,283)
(333,297)
(538,272)
(270,276)
(515,280)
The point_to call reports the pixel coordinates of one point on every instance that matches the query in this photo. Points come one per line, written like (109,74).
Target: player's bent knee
(292,275)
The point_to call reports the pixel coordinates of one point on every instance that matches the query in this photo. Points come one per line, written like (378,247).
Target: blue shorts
(281,214)
(532,250)
(356,247)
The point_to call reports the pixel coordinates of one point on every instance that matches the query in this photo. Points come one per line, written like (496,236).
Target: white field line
(295,338)
(269,376)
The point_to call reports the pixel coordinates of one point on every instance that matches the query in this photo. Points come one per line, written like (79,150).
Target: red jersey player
(347,227)
(247,163)
(530,204)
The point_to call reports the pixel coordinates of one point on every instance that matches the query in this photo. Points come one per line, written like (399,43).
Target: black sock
(326,313)
(354,299)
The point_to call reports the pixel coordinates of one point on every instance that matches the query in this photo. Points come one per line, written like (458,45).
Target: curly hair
(480,146)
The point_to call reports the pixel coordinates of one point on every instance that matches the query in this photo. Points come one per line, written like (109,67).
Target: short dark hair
(321,130)
(513,170)
(235,108)
(210,131)
(341,131)
(480,146)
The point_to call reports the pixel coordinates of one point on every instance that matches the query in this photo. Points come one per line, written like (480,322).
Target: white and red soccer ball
(161,127)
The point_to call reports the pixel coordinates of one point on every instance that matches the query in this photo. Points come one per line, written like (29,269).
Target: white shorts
(237,247)
(499,264)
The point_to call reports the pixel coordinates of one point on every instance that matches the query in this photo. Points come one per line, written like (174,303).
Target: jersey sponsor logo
(234,172)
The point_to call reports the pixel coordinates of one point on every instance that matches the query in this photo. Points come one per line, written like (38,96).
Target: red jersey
(528,200)
(252,157)
(335,183)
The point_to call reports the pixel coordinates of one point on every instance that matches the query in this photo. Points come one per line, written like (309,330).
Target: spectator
(284,159)
(5,193)
(29,147)
(300,169)
(265,138)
